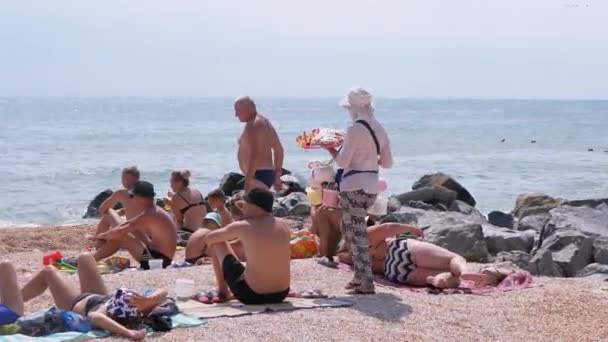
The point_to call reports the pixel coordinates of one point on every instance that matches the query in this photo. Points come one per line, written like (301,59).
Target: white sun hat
(357,98)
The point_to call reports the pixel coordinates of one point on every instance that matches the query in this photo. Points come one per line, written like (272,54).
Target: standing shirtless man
(260,151)
(130,175)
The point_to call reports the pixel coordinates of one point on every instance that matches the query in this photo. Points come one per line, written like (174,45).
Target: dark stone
(534,204)
(420,205)
(594,270)
(570,249)
(430,195)
(443,180)
(296,204)
(291,185)
(543,264)
(506,240)
(500,219)
(592,203)
(232,183)
(462,207)
(533,222)
(466,240)
(403,218)
(600,250)
(93,207)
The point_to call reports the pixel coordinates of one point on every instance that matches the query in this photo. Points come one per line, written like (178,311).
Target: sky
(554,49)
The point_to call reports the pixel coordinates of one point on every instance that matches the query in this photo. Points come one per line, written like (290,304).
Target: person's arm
(226,216)
(379,233)
(145,305)
(252,138)
(179,218)
(228,233)
(100,320)
(278,155)
(386,155)
(109,203)
(131,226)
(344,157)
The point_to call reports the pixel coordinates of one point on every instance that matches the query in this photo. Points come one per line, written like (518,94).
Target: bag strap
(371,131)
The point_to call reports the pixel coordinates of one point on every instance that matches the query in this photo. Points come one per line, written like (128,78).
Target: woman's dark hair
(217,194)
(182,176)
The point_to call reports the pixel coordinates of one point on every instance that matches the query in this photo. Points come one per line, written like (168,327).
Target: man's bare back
(268,252)
(160,229)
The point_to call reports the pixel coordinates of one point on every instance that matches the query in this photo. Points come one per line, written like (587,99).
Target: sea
(56,154)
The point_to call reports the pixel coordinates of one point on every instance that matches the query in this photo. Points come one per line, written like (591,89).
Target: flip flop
(327,263)
(205,297)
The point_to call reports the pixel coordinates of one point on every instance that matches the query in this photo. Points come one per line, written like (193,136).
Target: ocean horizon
(58,152)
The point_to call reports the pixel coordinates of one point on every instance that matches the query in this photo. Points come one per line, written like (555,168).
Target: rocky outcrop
(533,222)
(93,207)
(447,182)
(429,195)
(464,208)
(232,183)
(465,239)
(600,250)
(594,270)
(518,258)
(590,221)
(543,264)
(500,219)
(506,240)
(570,249)
(534,204)
(295,204)
(591,203)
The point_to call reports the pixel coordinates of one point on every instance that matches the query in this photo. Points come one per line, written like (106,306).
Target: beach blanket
(515,281)
(179,321)
(235,309)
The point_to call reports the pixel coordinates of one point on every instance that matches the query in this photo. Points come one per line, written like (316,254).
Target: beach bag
(304,244)
(42,323)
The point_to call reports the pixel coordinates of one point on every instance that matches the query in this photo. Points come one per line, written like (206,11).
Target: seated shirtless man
(150,235)
(265,242)
(130,175)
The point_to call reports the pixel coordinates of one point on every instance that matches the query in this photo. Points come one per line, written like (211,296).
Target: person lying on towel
(398,255)
(265,241)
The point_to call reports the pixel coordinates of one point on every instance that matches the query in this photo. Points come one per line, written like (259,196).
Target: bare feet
(362,290)
(444,280)
(458,266)
(137,335)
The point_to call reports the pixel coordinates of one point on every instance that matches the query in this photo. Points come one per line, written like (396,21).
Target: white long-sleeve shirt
(359,153)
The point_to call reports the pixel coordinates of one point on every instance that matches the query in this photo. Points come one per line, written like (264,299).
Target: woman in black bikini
(92,299)
(188,203)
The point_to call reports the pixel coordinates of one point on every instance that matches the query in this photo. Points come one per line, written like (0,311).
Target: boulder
(600,250)
(462,207)
(505,240)
(519,258)
(591,203)
(593,270)
(445,181)
(465,239)
(533,222)
(93,207)
(296,204)
(232,183)
(534,204)
(570,249)
(500,219)
(420,205)
(590,221)
(291,184)
(403,218)
(430,195)
(542,264)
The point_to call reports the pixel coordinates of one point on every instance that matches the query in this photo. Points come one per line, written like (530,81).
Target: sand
(559,310)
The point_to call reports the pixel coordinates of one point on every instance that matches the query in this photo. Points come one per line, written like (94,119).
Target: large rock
(429,195)
(543,264)
(590,221)
(93,207)
(443,180)
(519,258)
(296,204)
(403,218)
(600,250)
(591,203)
(466,240)
(533,222)
(420,205)
(232,183)
(462,207)
(570,249)
(500,219)
(534,204)
(505,240)
(594,270)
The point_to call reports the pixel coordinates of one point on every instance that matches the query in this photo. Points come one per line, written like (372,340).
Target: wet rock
(505,240)
(534,204)
(500,219)
(533,222)
(466,240)
(429,195)
(232,183)
(445,181)
(570,249)
(93,207)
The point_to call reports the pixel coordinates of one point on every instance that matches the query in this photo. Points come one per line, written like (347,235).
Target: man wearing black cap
(150,235)
(266,245)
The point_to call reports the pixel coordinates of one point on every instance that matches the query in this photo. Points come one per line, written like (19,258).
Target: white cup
(184,288)
(155,264)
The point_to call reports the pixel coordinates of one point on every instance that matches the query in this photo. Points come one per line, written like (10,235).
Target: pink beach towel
(514,281)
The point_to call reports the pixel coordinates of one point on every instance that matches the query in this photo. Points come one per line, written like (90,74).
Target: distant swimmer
(503,140)
(590,150)
(533,141)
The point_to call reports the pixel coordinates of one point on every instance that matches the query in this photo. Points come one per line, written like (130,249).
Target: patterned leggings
(354,210)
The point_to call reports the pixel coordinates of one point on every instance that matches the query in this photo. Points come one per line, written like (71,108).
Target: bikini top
(190,205)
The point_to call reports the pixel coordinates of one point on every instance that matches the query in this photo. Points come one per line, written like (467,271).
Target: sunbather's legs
(109,220)
(196,245)
(10,294)
(64,291)
(219,251)
(328,223)
(133,245)
(428,255)
(425,276)
(89,276)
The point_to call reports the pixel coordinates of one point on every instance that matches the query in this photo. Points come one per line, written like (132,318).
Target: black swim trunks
(150,254)
(233,273)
